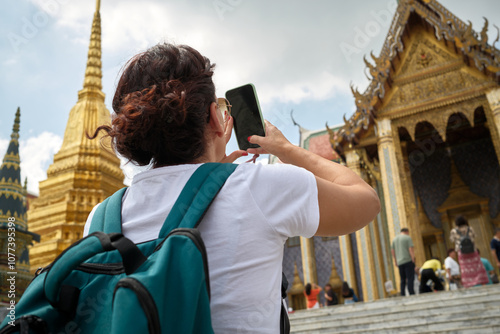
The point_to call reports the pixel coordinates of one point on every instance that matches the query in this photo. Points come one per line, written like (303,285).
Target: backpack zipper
(91,268)
(145,299)
(102,268)
(195,235)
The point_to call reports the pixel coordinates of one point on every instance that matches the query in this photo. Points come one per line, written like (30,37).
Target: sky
(300,55)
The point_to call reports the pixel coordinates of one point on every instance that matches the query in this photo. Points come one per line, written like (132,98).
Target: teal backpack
(104,283)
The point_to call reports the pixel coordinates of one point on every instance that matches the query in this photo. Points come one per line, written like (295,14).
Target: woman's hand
(233,156)
(273,143)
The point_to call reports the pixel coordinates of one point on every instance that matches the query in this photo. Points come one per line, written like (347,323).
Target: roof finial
(17,122)
(93,73)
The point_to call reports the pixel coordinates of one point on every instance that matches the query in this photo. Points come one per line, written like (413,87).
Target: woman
(166,115)
(471,267)
(311,293)
(348,294)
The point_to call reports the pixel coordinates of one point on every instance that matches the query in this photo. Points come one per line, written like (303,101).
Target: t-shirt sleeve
(287,196)
(89,220)
(410,242)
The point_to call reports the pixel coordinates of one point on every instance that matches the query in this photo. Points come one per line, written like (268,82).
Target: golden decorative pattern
(423,54)
(439,117)
(485,58)
(425,90)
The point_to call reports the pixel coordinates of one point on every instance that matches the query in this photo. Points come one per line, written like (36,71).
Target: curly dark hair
(161,106)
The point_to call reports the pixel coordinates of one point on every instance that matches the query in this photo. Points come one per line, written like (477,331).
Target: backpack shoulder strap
(108,215)
(196,196)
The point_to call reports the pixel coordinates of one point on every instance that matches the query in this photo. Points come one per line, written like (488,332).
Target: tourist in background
(404,258)
(471,268)
(330,295)
(489,269)
(348,294)
(429,273)
(495,246)
(312,291)
(452,269)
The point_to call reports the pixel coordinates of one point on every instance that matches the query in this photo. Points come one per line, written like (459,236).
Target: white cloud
(9,62)
(318,87)
(283,69)
(36,155)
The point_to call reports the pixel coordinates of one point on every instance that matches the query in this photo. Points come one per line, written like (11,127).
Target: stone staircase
(473,310)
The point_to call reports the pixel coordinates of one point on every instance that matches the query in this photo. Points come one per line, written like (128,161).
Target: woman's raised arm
(346,202)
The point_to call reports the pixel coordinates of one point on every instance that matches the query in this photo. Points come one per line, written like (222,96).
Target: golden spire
(15,128)
(84,172)
(93,73)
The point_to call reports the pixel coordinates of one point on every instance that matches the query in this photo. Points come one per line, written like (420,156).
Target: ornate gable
(429,74)
(449,52)
(423,55)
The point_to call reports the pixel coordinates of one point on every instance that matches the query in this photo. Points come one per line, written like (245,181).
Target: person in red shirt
(311,293)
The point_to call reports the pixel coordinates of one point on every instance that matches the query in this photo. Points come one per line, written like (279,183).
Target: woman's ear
(216,122)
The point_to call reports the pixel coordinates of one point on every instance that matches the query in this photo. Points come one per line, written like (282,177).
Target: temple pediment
(428,53)
(429,76)
(424,56)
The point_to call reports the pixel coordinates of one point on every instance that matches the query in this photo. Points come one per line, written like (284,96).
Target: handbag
(494,278)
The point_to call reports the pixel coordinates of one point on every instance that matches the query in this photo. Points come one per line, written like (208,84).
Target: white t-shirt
(450,263)
(244,231)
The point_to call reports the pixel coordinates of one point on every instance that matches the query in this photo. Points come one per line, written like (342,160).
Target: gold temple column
(441,246)
(382,263)
(493,118)
(410,200)
(487,233)
(365,244)
(308,260)
(348,270)
(391,181)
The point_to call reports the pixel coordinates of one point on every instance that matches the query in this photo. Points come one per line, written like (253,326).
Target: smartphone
(245,109)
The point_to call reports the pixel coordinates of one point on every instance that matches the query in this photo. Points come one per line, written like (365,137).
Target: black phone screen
(246,113)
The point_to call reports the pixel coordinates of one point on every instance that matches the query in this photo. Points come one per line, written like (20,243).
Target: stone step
(473,310)
(483,329)
(353,311)
(472,324)
(431,321)
(398,316)
(440,298)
